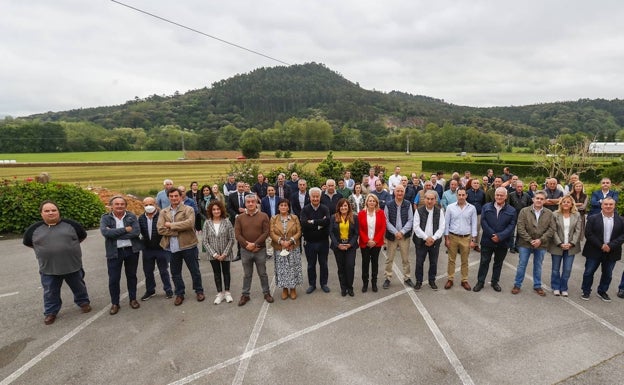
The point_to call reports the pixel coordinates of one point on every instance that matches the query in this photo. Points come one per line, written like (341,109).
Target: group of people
(493,215)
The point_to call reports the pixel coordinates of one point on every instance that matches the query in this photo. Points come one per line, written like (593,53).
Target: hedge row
(19,204)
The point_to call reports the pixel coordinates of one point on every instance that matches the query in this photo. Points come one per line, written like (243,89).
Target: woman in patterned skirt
(285,238)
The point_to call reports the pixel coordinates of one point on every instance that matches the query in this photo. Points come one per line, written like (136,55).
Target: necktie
(241,202)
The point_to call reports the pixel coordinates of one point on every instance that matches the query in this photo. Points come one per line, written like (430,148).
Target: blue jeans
(125,258)
(151,258)
(52,290)
(189,256)
(524,253)
(558,278)
(317,251)
(591,265)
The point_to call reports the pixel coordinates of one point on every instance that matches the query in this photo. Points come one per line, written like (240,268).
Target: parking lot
(394,336)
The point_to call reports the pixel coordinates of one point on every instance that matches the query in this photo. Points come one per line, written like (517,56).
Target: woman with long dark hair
(344,241)
(285,236)
(218,239)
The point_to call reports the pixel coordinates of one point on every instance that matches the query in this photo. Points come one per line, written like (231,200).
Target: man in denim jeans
(535,231)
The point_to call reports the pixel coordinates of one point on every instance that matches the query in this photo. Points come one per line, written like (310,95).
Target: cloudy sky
(64,54)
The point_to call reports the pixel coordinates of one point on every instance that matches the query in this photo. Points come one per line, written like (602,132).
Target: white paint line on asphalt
(592,315)
(283,340)
(435,330)
(50,349)
(9,294)
(253,339)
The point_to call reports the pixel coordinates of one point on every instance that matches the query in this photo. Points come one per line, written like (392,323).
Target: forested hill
(260,98)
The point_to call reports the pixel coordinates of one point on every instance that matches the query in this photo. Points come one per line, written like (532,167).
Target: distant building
(606,148)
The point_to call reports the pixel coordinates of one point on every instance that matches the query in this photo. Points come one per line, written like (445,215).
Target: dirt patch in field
(201,155)
(135,204)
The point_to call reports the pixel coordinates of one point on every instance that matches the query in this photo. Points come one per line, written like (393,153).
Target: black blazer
(334,233)
(294,202)
(233,206)
(154,243)
(594,230)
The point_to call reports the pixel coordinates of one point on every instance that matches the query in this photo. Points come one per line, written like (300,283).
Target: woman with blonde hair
(372,229)
(285,236)
(344,242)
(566,242)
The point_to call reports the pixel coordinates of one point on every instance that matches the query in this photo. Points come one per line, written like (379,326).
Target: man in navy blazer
(598,196)
(604,234)
(269,203)
(300,198)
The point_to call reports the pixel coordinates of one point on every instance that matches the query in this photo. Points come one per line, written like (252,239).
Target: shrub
(311,178)
(246,171)
(358,169)
(19,204)
(330,168)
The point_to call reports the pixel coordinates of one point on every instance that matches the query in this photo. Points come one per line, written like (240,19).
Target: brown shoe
(449,284)
(293,293)
(466,285)
(134,304)
(243,300)
(85,308)
(284,293)
(49,319)
(114,310)
(515,290)
(200,297)
(540,291)
(178,300)
(268,298)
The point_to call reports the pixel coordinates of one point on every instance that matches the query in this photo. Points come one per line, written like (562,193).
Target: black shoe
(478,287)
(310,289)
(513,250)
(147,296)
(343,292)
(374,286)
(350,292)
(325,288)
(417,286)
(409,282)
(386,284)
(365,287)
(604,296)
(620,293)
(433,285)
(169,294)
(496,286)
(585,296)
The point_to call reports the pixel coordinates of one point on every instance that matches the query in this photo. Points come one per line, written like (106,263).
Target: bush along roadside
(19,204)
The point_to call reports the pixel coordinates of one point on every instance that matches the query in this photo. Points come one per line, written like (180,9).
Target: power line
(200,32)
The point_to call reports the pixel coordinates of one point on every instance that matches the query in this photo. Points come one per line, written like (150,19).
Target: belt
(461,236)
(125,248)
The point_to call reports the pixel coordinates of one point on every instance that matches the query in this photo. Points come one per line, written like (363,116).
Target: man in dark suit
(281,188)
(604,234)
(300,198)
(269,205)
(153,253)
(599,195)
(236,206)
(260,188)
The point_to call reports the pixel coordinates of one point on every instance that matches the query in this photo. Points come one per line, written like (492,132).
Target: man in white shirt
(428,230)
(460,235)
(394,180)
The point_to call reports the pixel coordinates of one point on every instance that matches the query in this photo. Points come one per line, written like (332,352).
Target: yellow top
(344,229)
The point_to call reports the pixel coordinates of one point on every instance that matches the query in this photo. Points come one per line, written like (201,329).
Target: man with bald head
(162,200)
(498,222)
(153,254)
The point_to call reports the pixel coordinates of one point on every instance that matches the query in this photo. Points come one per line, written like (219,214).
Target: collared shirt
(302,199)
(119,224)
(498,208)
(150,221)
(174,243)
(537,212)
(429,226)
(608,229)
(461,220)
(272,204)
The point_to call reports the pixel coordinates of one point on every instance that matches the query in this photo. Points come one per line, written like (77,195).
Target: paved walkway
(395,336)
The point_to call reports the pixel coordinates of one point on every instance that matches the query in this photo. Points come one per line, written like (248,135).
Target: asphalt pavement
(394,336)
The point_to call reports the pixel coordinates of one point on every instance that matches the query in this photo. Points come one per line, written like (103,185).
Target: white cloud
(70,54)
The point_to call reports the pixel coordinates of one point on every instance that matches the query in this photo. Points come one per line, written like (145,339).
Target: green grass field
(149,168)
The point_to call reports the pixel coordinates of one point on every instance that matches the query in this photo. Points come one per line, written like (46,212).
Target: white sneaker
(557,293)
(228,297)
(218,298)
(564,293)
